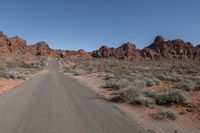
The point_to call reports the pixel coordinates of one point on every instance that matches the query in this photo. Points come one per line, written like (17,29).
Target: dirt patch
(6,84)
(194,105)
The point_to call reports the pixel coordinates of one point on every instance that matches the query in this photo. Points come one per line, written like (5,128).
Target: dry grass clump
(151,93)
(171,96)
(163,114)
(143,100)
(189,83)
(167,77)
(186,85)
(116,83)
(135,95)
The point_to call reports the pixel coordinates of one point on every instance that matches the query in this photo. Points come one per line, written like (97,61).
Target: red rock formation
(4,43)
(17,45)
(14,45)
(72,54)
(160,48)
(126,51)
(170,49)
(40,49)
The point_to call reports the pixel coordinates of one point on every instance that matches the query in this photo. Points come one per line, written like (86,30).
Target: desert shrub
(68,70)
(171,96)
(12,64)
(143,100)
(129,93)
(139,83)
(44,62)
(116,83)
(156,81)
(24,65)
(196,79)
(166,114)
(4,74)
(134,95)
(79,72)
(9,74)
(186,85)
(149,82)
(150,93)
(163,77)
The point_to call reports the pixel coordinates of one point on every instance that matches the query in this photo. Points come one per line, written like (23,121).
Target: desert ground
(162,95)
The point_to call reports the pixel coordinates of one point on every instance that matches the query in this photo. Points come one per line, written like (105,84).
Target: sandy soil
(143,115)
(6,84)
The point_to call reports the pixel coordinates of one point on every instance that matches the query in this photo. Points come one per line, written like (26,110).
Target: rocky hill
(171,49)
(18,46)
(40,49)
(14,45)
(126,51)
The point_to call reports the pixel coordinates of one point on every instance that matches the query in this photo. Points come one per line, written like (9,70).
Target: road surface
(55,103)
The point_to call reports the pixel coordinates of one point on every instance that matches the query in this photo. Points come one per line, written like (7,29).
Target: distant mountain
(171,49)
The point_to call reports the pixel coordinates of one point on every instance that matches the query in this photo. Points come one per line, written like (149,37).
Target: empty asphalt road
(55,103)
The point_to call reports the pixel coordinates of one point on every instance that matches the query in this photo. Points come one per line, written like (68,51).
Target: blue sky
(87,24)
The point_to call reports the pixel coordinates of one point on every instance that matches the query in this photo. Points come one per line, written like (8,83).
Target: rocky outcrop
(14,45)
(72,54)
(40,49)
(17,45)
(170,49)
(4,43)
(126,51)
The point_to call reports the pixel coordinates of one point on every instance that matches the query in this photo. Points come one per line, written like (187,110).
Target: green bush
(129,93)
(12,64)
(149,82)
(171,96)
(4,74)
(143,100)
(139,83)
(8,74)
(166,114)
(187,85)
(164,77)
(116,83)
(156,81)
(196,79)
(150,93)
(135,96)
